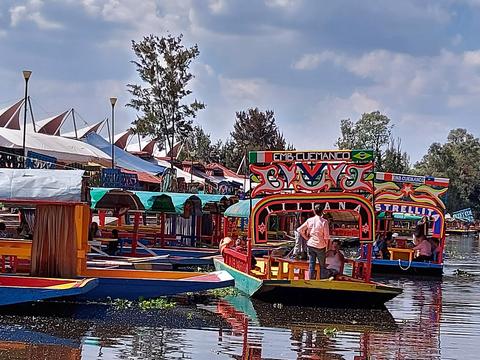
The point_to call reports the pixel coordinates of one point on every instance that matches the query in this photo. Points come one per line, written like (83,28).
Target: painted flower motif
(365,228)
(407,190)
(262,228)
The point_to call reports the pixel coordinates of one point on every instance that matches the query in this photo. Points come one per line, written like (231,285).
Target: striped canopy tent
(107,198)
(121,140)
(10,116)
(81,133)
(49,126)
(241,209)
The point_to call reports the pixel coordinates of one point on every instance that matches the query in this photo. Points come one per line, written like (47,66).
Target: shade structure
(62,149)
(81,133)
(10,116)
(122,158)
(241,209)
(121,139)
(41,185)
(49,126)
(173,203)
(107,198)
(401,216)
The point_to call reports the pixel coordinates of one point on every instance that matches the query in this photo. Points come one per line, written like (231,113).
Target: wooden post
(101,217)
(225,227)
(162,229)
(136,223)
(368,270)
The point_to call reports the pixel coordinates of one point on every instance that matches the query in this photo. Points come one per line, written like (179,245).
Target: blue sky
(312,62)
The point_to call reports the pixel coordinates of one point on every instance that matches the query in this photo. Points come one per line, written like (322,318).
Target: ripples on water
(430,320)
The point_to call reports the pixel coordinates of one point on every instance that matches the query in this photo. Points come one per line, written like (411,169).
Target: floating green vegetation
(462,273)
(221,293)
(156,304)
(330,332)
(122,304)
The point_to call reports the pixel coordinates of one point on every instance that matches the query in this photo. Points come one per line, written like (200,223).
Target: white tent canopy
(41,184)
(63,149)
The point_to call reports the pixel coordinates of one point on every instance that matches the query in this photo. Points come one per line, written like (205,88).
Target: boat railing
(236,259)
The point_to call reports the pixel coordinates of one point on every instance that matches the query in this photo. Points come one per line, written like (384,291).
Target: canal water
(430,320)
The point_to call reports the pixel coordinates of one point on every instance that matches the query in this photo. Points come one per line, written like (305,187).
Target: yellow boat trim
(332,285)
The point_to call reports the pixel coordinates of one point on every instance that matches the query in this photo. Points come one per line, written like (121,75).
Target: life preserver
(225,242)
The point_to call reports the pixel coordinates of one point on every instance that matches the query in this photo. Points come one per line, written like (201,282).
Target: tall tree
(372,131)
(255,130)
(394,159)
(162,99)
(199,147)
(457,160)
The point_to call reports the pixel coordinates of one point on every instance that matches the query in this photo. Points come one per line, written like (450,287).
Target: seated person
(94,231)
(3,230)
(112,247)
(424,249)
(380,248)
(334,259)
(435,242)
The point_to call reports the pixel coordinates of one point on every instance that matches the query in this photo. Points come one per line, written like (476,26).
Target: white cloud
(312,61)
(251,90)
(31,11)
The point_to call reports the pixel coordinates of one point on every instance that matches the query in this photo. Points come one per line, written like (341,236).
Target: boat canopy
(240,209)
(107,198)
(172,203)
(400,216)
(41,185)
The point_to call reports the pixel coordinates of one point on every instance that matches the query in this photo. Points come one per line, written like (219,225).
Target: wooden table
(400,252)
(292,265)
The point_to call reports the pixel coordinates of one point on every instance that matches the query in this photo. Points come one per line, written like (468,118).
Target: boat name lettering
(406,209)
(311,156)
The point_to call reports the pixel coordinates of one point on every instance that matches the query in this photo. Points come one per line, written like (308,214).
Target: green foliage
(199,147)
(457,160)
(330,331)
(163,66)
(374,131)
(253,130)
(394,160)
(121,304)
(156,304)
(462,273)
(221,293)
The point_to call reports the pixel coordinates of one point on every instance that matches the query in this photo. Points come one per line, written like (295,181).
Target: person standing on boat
(300,249)
(316,230)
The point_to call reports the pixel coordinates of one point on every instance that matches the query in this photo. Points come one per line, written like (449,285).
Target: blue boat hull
(403,267)
(133,289)
(18,295)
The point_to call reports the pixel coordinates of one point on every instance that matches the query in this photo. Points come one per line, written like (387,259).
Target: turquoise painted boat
(330,293)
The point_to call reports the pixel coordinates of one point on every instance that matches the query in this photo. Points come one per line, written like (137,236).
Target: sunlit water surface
(430,320)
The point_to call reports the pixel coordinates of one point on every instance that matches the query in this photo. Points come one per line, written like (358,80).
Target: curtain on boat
(54,239)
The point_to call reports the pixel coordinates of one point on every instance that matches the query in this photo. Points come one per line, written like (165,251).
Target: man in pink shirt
(316,230)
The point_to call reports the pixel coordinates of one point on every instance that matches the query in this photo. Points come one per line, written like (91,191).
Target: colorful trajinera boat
(401,202)
(293,183)
(25,289)
(60,240)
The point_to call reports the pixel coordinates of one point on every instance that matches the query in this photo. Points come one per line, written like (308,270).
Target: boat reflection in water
(234,327)
(275,332)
